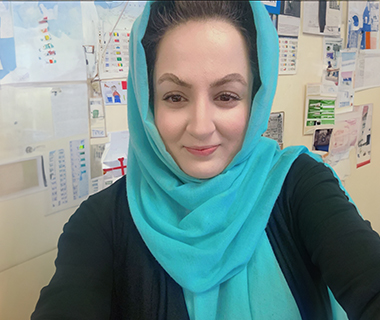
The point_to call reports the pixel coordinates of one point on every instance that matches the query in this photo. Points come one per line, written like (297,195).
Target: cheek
(168,124)
(235,126)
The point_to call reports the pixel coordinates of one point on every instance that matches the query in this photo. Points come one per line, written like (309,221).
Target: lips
(202,151)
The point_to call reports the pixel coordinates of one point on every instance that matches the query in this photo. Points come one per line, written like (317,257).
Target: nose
(201,123)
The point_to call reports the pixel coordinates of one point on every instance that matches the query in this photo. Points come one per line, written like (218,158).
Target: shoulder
(307,174)
(306,165)
(102,210)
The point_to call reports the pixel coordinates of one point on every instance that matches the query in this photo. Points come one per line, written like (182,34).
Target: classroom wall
(23,275)
(363,184)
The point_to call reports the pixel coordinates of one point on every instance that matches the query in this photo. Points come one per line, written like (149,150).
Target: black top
(105,271)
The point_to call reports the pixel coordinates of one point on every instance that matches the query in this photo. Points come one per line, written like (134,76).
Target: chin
(203,174)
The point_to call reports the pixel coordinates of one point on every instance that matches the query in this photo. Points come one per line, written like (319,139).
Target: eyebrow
(173,78)
(232,77)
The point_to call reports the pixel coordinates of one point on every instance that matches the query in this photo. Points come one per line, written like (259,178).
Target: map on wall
(47,41)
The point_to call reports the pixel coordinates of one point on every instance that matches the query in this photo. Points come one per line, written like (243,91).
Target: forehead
(203,46)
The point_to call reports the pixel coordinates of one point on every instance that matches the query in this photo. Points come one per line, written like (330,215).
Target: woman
(216,222)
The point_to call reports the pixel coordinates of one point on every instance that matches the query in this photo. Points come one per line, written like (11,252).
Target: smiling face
(202,98)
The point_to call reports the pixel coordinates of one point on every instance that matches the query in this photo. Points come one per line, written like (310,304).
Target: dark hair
(165,15)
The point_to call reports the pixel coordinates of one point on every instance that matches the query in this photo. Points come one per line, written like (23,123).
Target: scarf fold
(206,233)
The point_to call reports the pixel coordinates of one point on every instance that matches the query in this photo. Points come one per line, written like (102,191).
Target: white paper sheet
(80,170)
(288,26)
(69,105)
(367,73)
(57,173)
(97,115)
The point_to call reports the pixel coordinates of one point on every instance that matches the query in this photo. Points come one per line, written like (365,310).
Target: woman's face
(202,98)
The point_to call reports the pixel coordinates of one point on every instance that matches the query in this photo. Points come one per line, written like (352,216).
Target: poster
(285,16)
(275,129)
(115,54)
(363,154)
(80,171)
(332,48)
(289,19)
(288,55)
(322,17)
(97,118)
(345,100)
(48,41)
(363,24)
(344,136)
(114,92)
(319,111)
(115,20)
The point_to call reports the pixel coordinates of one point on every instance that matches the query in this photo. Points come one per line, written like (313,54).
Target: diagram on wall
(48,41)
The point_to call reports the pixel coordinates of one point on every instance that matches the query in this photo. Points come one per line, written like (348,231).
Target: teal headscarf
(209,235)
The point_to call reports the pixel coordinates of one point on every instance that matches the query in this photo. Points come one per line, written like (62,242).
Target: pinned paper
(319,111)
(321,139)
(97,115)
(58,178)
(275,129)
(114,92)
(344,136)
(363,155)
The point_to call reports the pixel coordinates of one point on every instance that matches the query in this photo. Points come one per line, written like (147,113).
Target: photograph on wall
(321,139)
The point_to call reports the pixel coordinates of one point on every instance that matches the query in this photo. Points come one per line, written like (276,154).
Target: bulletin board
(52,55)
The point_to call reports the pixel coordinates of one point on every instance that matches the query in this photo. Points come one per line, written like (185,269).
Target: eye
(174,98)
(228,97)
